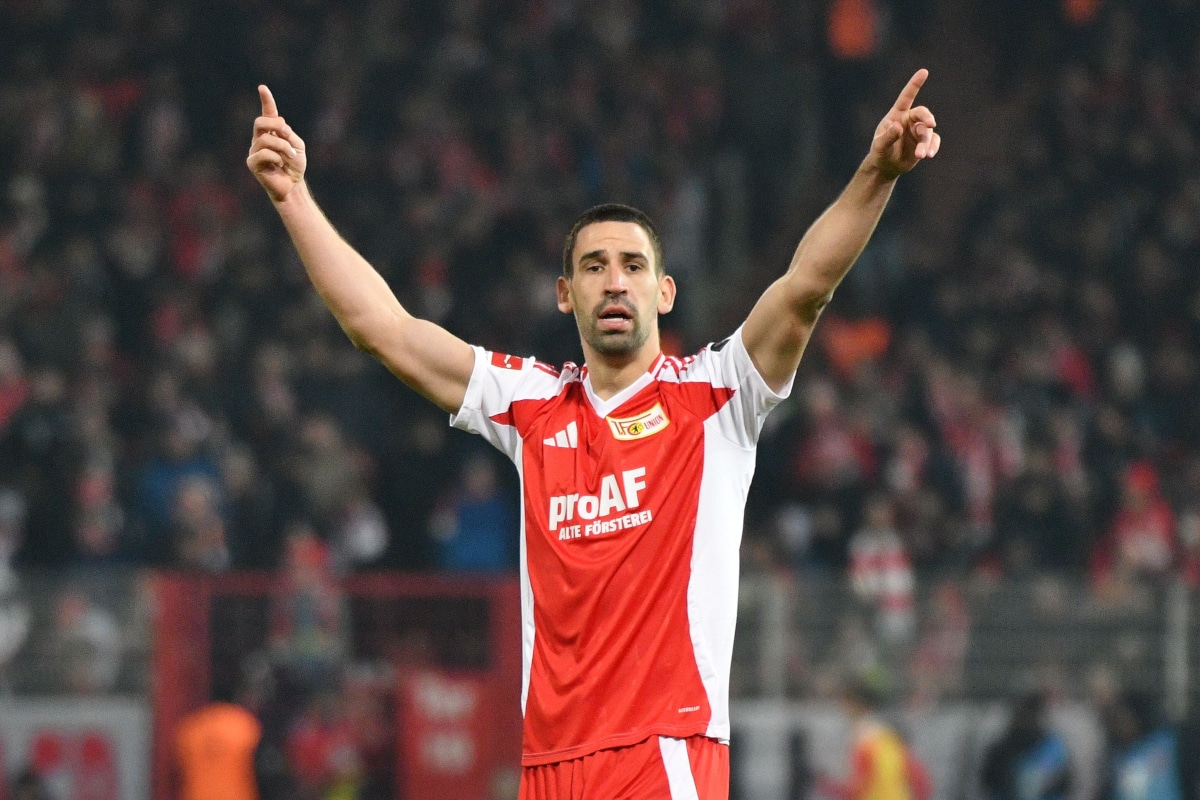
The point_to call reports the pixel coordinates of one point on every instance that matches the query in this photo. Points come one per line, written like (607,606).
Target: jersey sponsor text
(614,496)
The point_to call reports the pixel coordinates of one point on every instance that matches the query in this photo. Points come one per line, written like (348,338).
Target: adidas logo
(567,437)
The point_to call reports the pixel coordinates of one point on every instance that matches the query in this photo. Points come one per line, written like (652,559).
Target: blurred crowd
(1018,396)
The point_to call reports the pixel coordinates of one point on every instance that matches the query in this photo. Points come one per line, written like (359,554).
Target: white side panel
(713,587)
(527,629)
(679,768)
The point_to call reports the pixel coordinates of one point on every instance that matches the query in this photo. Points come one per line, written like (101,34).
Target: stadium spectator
(215,747)
(28,785)
(1143,761)
(85,645)
(322,750)
(1141,542)
(1038,528)
(476,528)
(881,573)
(882,765)
(1029,761)
(939,657)
(12,533)
(308,618)
(180,456)
(197,530)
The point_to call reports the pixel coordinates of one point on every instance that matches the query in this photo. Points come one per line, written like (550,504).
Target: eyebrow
(626,255)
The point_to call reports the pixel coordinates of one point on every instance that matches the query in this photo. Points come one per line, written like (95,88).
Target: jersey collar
(605,407)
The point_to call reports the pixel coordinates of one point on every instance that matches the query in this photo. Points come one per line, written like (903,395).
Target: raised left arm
(779,326)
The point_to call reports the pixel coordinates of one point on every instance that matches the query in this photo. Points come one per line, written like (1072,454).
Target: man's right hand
(276,153)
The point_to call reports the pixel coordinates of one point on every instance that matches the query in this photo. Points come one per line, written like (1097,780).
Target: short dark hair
(612,212)
(863,692)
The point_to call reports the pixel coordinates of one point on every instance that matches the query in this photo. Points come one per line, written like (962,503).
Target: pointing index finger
(909,93)
(268,102)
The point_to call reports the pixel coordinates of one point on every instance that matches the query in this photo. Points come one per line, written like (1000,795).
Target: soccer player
(634,467)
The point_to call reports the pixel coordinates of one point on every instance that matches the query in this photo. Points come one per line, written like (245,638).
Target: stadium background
(987,480)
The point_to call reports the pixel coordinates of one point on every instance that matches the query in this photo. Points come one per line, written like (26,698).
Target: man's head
(1133,716)
(611,212)
(861,697)
(613,280)
(1029,716)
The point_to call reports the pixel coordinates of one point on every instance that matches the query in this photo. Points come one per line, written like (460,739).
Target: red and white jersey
(631,523)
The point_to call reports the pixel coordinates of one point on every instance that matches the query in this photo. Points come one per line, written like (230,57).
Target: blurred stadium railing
(950,663)
(96,669)
(974,639)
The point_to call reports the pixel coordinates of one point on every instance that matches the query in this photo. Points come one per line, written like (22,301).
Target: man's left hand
(906,135)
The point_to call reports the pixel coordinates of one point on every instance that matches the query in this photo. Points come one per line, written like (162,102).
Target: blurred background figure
(28,785)
(476,526)
(85,645)
(1029,761)
(308,636)
(881,572)
(1140,544)
(1143,760)
(15,616)
(216,747)
(881,764)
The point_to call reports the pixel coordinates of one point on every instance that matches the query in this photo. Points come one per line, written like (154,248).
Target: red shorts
(660,768)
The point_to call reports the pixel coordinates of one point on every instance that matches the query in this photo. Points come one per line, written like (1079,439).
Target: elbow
(360,338)
(369,332)
(808,301)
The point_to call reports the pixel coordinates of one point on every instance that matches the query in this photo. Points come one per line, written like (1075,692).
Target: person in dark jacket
(1029,762)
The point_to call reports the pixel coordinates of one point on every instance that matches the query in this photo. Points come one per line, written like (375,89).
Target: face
(615,290)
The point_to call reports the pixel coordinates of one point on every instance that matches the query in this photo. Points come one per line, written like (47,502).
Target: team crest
(645,424)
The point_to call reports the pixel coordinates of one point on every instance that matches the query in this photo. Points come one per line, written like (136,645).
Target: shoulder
(700,366)
(523,376)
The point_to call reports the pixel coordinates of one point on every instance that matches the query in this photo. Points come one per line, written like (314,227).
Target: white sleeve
(497,380)
(726,364)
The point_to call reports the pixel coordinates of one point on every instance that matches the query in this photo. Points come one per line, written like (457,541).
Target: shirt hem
(612,742)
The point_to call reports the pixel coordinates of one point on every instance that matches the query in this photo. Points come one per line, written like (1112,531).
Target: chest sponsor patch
(645,424)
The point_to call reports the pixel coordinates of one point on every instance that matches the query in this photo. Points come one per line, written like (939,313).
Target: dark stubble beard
(613,343)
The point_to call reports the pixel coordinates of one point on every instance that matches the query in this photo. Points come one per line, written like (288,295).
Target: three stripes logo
(567,437)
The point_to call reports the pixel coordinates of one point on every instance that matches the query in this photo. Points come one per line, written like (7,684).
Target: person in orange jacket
(215,746)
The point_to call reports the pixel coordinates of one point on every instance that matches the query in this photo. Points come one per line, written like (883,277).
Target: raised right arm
(427,357)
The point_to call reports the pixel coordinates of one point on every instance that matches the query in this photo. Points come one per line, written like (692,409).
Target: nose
(614,281)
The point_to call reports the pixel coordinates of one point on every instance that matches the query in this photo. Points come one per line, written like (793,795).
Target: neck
(609,374)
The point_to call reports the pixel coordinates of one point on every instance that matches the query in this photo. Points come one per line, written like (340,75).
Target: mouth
(614,317)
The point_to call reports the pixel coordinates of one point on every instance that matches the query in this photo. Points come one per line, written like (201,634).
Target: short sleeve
(727,365)
(497,382)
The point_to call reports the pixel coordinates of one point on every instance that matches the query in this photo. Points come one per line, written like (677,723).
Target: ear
(563,289)
(666,294)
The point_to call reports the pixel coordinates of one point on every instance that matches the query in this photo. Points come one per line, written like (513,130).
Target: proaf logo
(645,424)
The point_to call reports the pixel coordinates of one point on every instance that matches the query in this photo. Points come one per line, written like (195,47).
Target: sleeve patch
(507,362)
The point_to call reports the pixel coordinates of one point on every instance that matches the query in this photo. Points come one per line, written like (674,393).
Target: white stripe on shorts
(679,768)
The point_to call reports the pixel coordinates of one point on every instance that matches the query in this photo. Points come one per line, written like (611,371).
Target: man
(1143,757)
(215,747)
(634,468)
(882,766)
(1030,761)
